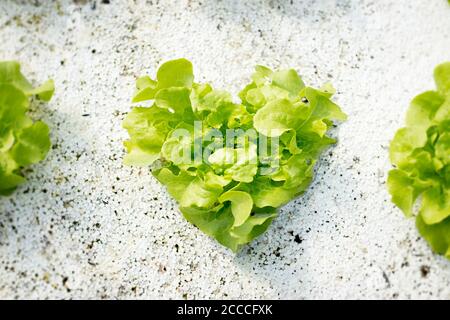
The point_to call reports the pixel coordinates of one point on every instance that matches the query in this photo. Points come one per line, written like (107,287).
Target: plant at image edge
(421,154)
(22,141)
(233,191)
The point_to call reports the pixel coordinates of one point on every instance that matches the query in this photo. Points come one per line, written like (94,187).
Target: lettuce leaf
(234,190)
(22,141)
(421,154)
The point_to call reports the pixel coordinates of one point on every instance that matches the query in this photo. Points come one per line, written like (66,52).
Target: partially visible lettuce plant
(22,141)
(421,154)
(232,191)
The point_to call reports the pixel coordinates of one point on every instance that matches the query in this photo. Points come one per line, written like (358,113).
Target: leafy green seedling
(230,165)
(421,154)
(22,141)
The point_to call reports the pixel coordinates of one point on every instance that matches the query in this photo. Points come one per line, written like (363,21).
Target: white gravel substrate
(85,226)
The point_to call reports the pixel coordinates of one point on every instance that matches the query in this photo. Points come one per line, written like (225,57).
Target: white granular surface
(85,226)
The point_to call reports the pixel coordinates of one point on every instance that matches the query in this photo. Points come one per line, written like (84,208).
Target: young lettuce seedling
(230,166)
(22,141)
(421,154)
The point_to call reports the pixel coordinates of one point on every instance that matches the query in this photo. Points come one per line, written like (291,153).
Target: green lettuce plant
(421,154)
(230,187)
(22,141)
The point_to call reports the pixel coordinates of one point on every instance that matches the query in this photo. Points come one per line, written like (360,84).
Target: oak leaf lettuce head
(22,141)
(233,191)
(420,153)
